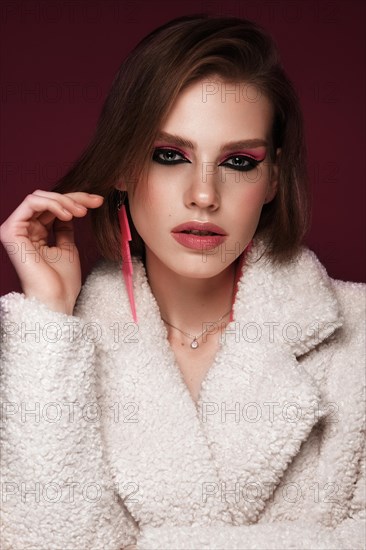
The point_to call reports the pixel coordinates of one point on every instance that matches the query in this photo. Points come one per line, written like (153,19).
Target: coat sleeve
(56,488)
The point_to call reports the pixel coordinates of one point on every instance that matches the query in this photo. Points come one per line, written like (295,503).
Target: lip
(199,226)
(199,242)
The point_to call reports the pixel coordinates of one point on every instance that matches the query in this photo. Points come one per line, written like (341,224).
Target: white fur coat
(103,446)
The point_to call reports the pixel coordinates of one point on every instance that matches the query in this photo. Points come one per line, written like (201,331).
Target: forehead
(216,107)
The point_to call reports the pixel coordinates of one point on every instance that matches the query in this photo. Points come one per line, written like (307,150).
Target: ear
(121,185)
(273,184)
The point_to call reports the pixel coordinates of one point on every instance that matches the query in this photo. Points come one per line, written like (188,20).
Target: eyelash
(252,163)
(161,150)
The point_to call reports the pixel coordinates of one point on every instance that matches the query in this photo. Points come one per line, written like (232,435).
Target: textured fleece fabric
(103,446)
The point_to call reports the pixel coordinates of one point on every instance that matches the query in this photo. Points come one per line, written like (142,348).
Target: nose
(202,191)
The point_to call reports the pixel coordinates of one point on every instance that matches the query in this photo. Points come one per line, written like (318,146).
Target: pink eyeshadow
(257,153)
(157,146)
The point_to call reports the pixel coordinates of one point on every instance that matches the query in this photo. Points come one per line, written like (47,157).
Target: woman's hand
(50,273)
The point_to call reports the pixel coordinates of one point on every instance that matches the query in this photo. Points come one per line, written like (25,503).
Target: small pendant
(194,344)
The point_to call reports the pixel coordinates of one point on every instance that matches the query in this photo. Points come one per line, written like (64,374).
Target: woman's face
(198,176)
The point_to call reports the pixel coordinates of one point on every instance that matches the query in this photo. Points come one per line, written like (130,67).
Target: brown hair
(147,83)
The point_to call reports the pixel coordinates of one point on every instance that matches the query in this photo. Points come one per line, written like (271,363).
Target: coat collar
(293,302)
(256,407)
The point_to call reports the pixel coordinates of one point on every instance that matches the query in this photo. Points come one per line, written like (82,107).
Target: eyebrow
(245,143)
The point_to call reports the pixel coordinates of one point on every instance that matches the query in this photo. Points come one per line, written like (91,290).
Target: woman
(198,399)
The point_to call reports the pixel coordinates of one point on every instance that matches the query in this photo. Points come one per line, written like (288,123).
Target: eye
(240,162)
(168,156)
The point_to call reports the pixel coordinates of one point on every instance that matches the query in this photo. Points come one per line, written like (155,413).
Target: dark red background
(59,59)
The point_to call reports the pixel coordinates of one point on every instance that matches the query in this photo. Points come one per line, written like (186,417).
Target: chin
(191,264)
(196,268)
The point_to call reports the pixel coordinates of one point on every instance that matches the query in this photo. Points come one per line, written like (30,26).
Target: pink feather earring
(127,269)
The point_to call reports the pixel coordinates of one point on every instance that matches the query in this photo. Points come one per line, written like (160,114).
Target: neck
(189,303)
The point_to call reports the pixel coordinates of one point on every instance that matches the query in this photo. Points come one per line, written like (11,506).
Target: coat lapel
(157,450)
(258,404)
(222,459)
(256,408)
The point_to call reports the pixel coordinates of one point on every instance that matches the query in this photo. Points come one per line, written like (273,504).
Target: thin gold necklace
(194,344)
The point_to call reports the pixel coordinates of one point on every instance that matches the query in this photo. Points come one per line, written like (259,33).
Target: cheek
(252,185)
(249,198)
(245,209)
(159,198)
(148,208)
(138,211)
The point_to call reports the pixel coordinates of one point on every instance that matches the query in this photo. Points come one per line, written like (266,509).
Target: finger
(75,207)
(77,198)
(28,209)
(46,218)
(39,205)
(65,202)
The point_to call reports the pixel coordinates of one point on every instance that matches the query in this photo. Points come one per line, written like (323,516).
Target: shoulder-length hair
(171,57)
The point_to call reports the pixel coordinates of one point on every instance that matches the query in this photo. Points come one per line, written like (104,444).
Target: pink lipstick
(199,235)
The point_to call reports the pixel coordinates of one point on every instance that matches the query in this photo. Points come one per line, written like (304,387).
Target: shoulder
(308,283)
(341,350)
(300,293)
(103,295)
(103,274)
(301,275)
(350,341)
(100,288)
(352,301)
(349,297)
